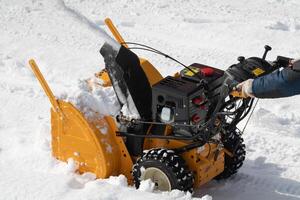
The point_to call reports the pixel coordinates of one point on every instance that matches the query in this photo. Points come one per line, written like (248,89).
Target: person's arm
(278,84)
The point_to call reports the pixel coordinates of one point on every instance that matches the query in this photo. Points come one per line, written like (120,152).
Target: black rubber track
(171,164)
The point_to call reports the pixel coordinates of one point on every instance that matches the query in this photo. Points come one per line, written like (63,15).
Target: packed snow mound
(92,99)
(283,118)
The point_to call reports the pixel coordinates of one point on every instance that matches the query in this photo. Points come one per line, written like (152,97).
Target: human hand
(245,88)
(295,64)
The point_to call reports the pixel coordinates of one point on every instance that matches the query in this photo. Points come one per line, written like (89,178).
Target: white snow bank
(281,118)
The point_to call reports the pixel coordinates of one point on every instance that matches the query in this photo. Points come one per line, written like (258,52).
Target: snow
(92,99)
(65,36)
(147,186)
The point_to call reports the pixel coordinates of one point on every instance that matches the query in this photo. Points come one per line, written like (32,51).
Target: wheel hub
(158,177)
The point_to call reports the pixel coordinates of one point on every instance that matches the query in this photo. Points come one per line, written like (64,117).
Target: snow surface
(63,38)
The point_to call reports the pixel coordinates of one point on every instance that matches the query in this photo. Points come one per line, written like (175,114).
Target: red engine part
(207,71)
(196,118)
(197,101)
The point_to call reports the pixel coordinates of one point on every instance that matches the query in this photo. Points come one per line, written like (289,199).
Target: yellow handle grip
(238,94)
(44,84)
(115,32)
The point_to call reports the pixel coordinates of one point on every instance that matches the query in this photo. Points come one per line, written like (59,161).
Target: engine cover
(184,100)
(178,100)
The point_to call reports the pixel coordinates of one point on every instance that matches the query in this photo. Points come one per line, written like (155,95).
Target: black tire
(172,165)
(234,143)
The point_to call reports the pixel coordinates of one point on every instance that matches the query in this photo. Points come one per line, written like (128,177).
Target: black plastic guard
(128,79)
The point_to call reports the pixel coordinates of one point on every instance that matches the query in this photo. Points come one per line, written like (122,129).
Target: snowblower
(179,131)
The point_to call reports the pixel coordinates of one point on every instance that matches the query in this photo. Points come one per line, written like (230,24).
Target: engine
(195,95)
(185,99)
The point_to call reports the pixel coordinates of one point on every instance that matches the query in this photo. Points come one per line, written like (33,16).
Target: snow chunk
(93,100)
(76,153)
(117,180)
(108,148)
(206,197)
(103,130)
(71,166)
(147,185)
(177,194)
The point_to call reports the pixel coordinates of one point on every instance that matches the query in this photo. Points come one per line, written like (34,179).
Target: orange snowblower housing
(159,139)
(92,144)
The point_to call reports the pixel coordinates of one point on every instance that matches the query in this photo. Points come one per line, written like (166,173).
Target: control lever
(267,49)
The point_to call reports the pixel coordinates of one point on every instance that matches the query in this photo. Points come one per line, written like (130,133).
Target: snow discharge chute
(129,81)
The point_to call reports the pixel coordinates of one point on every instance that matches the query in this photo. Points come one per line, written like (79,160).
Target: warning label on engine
(191,72)
(258,71)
